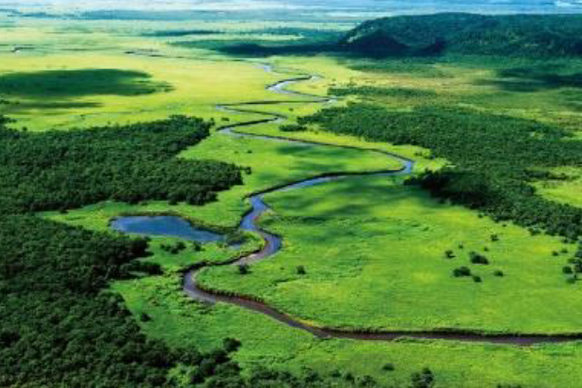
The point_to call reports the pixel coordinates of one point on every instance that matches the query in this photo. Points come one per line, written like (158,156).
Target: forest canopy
(60,170)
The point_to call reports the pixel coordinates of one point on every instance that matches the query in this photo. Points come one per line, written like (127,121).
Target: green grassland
(373,249)
(180,321)
(374,252)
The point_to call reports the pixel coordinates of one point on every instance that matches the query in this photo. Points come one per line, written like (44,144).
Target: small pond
(169,226)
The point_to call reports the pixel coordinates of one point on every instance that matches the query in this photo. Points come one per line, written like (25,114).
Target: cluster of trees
(62,170)
(270,378)
(456,33)
(574,267)
(377,91)
(493,158)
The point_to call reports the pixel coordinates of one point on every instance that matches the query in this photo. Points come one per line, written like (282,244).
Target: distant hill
(458,33)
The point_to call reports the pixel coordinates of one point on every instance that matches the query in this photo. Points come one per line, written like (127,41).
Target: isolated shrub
(144,317)
(424,379)
(567,270)
(477,258)
(244,269)
(499,274)
(301,270)
(389,367)
(449,254)
(477,279)
(461,272)
(231,344)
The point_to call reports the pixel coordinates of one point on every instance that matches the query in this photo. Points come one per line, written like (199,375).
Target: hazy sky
(384,5)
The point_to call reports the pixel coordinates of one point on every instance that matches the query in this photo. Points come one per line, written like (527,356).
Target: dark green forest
(59,328)
(493,158)
(62,170)
(457,33)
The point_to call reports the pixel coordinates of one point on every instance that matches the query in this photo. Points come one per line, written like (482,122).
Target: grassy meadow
(374,249)
(374,253)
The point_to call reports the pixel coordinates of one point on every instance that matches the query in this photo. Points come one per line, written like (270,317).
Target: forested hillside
(455,33)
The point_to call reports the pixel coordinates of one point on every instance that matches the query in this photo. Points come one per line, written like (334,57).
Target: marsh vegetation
(484,238)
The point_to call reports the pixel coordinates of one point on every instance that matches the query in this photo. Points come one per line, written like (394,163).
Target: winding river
(273,243)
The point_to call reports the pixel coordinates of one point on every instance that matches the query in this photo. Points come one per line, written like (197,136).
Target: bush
(461,272)
(231,345)
(293,128)
(424,379)
(477,258)
(389,367)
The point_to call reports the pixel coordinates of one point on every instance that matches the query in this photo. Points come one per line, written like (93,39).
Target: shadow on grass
(53,105)
(536,78)
(79,83)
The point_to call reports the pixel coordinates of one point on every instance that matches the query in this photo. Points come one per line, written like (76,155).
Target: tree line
(493,158)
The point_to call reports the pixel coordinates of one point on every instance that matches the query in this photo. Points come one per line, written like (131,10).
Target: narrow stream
(273,243)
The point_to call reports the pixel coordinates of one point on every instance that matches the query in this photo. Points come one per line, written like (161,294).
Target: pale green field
(196,87)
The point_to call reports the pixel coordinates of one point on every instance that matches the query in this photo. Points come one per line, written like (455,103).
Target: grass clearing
(354,281)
